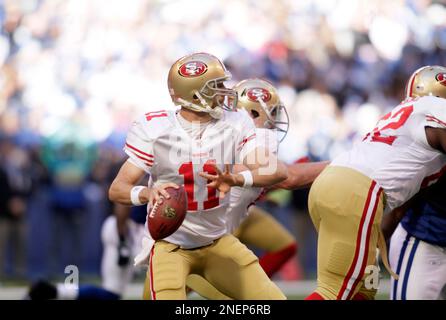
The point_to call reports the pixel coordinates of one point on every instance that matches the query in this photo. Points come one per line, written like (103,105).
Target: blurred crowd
(74,73)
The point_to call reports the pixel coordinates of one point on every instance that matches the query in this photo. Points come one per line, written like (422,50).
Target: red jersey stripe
(433,119)
(137,150)
(146,161)
(433,177)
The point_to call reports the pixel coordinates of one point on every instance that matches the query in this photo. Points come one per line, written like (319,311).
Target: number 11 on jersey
(187,171)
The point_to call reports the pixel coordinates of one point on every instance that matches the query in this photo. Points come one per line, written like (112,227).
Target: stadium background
(74,73)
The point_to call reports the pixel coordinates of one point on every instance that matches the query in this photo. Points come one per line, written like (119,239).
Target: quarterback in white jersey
(177,153)
(192,146)
(404,152)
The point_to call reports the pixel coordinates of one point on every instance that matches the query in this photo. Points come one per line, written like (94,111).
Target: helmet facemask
(277,118)
(226,98)
(213,90)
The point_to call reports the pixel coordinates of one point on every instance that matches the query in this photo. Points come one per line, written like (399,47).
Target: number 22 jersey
(396,154)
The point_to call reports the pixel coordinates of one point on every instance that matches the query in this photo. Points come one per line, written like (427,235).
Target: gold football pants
(262,231)
(346,208)
(259,229)
(227,265)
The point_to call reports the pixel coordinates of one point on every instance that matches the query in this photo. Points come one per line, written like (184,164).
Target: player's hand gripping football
(222,181)
(158,193)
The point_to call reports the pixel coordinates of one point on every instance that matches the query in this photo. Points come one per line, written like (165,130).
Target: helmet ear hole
(255,114)
(195,97)
(274,112)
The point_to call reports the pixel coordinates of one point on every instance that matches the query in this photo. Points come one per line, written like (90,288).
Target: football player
(249,223)
(252,225)
(417,249)
(380,173)
(196,146)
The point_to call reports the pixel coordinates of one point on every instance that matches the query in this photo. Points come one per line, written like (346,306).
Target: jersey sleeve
(139,147)
(435,115)
(246,141)
(430,112)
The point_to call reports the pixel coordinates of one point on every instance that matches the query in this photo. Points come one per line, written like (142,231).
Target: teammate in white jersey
(260,99)
(346,202)
(249,223)
(417,249)
(193,146)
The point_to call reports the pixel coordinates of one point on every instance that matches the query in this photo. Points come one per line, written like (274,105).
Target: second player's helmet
(427,81)
(196,82)
(261,100)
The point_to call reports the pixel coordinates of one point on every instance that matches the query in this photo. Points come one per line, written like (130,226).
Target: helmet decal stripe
(409,89)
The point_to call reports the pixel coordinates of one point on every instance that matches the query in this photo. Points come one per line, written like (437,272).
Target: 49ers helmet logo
(441,77)
(254,94)
(192,69)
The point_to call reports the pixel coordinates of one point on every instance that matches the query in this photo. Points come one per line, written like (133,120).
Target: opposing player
(195,146)
(418,247)
(378,174)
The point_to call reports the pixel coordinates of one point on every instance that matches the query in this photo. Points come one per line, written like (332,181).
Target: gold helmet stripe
(409,88)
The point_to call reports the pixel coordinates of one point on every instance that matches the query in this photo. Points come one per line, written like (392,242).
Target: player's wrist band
(134,195)
(248,179)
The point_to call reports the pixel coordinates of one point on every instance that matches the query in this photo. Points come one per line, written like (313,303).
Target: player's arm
(263,169)
(436,137)
(391,220)
(302,175)
(258,170)
(121,187)
(125,189)
(127,178)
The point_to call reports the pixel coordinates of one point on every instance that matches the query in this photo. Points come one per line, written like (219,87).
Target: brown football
(165,218)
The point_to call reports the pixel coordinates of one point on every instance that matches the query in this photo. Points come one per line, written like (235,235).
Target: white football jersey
(158,144)
(242,198)
(396,153)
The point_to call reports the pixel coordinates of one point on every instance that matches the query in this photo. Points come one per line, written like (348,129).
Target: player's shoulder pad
(431,101)
(238,119)
(155,123)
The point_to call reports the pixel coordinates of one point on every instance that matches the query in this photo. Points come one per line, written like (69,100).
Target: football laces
(154,208)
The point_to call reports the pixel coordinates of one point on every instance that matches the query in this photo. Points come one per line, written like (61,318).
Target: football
(165,218)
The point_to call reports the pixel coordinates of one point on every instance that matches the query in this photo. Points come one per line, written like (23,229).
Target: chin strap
(215,113)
